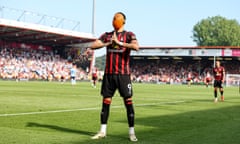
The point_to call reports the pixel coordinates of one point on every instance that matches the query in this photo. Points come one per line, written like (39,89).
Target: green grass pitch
(55,113)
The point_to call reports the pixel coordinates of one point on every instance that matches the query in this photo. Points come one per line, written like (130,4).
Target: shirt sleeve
(103,37)
(131,36)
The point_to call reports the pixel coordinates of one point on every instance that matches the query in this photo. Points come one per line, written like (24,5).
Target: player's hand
(87,51)
(114,38)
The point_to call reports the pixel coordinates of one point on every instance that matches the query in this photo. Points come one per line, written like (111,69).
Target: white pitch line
(45,112)
(83,109)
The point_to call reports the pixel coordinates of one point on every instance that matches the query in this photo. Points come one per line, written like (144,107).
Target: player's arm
(214,73)
(132,45)
(98,44)
(223,76)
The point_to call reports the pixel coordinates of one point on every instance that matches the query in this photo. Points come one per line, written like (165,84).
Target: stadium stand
(29,64)
(172,64)
(31,51)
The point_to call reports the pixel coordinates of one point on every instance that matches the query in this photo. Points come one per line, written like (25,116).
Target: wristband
(120,43)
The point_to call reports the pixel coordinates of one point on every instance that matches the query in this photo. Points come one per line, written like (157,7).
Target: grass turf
(55,113)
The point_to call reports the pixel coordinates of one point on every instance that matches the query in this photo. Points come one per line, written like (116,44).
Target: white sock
(103,128)
(131,130)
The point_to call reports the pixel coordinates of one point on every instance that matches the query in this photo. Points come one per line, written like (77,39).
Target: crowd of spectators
(30,64)
(173,71)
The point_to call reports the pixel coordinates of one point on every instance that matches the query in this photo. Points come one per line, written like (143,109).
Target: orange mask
(118,21)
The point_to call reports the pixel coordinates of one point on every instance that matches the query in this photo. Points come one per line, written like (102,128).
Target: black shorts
(111,83)
(189,79)
(72,77)
(217,83)
(94,78)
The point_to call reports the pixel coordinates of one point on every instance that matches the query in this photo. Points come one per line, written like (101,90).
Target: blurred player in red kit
(219,78)
(208,79)
(94,76)
(189,79)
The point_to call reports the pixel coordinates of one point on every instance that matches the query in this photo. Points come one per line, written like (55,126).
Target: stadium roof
(16,31)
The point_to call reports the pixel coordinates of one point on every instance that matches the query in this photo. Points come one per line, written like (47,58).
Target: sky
(155,22)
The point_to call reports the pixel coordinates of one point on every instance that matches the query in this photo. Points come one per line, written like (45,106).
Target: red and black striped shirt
(118,57)
(218,73)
